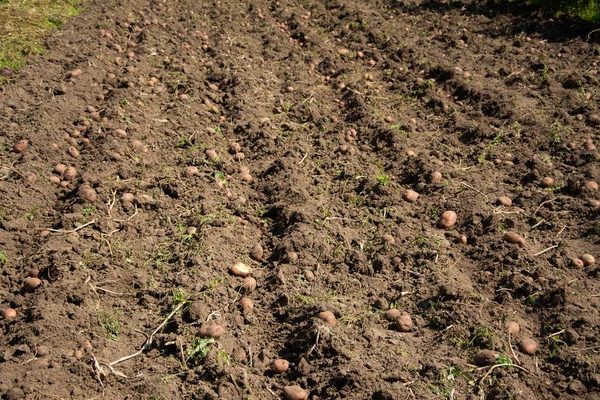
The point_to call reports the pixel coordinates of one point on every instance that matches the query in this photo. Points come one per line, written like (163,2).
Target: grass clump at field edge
(24,23)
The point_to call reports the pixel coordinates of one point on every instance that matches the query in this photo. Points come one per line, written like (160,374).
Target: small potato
(235,147)
(528,346)
(87,193)
(328,318)
(512,327)
(246,303)
(547,182)
(211,330)
(447,220)
(462,239)
(127,197)
(392,314)
(60,168)
(514,238)
(30,284)
(20,146)
(76,72)
(9,313)
(240,269)
(343,52)
(292,257)
(389,239)
(211,154)
(485,357)
(389,119)
(191,170)
(121,132)
(73,152)
(280,366)
(249,284)
(591,185)
(246,177)
(411,196)
(257,252)
(70,173)
(86,346)
(576,262)
(588,259)
(504,201)
(404,323)
(294,392)
(55,179)
(435,177)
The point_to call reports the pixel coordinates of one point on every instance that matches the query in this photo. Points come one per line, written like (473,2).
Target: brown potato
(389,239)
(528,346)
(240,269)
(328,318)
(576,262)
(512,327)
(30,284)
(280,366)
(60,168)
(9,313)
(588,259)
(20,146)
(294,392)
(447,219)
(411,196)
(392,314)
(249,284)
(435,177)
(246,303)
(514,238)
(211,330)
(547,182)
(485,357)
(127,197)
(504,201)
(257,252)
(87,193)
(404,323)
(70,173)
(591,185)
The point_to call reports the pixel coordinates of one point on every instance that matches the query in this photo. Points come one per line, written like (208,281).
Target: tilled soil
(286,135)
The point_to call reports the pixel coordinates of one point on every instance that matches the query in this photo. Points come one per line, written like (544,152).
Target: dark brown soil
(494,96)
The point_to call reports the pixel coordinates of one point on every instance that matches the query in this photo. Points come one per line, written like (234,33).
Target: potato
(292,257)
(257,252)
(76,72)
(392,314)
(9,313)
(246,177)
(411,196)
(211,330)
(60,168)
(20,146)
(70,173)
(73,152)
(86,346)
(528,346)
(87,193)
(211,154)
(294,392)
(485,357)
(512,327)
(504,201)
(462,239)
(240,269)
(576,262)
(246,303)
(389,119)
(514,238)
(30,284)
(191,170)
(328,318)
(127,197)
(389,239)
(588,259)
(447,219)
(435,177)
(404,323)
(591,185)
(547,182)
(280,366)
(343,52)
(235,147)
(121,132)
(55,179)
(249,284)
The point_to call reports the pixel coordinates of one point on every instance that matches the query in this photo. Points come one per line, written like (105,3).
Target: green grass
(3,258)
(588,10)
(108,320)
(24,24)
